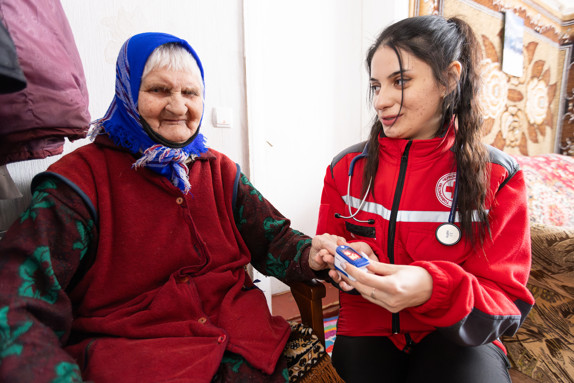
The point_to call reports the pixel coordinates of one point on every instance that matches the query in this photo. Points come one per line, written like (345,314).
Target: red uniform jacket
(479,293)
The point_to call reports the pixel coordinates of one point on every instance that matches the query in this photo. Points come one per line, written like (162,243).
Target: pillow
(550,183)
(543,348)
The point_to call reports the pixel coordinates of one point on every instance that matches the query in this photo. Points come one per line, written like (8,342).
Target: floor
(283,304)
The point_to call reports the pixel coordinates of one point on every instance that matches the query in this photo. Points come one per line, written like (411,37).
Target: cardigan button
(182,279)
(202,320)
(221,339)
(179,200)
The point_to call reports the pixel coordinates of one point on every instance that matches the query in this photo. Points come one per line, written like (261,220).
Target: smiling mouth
(389,120)
(173,122)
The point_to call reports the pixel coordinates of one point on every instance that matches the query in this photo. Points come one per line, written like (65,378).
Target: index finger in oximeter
(346,254)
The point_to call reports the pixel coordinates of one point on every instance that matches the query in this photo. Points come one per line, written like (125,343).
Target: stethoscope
(350,175)
(447,233)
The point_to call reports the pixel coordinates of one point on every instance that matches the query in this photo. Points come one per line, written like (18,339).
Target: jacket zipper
(396,328)
(409,344)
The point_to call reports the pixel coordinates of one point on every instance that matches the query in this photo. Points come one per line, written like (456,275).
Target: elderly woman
(129,264)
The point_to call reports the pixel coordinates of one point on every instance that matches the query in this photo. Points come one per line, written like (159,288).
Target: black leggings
(434,359)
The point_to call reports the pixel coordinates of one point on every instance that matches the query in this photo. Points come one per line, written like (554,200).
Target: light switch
(222,117)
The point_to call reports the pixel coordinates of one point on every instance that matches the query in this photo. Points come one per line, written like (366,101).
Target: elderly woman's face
(171,103)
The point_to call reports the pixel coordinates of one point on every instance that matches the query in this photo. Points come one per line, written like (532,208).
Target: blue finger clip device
(346,254)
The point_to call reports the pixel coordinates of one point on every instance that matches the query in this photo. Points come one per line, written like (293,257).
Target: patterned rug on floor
(330,331)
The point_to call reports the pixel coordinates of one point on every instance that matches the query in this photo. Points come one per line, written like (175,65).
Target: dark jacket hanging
(54,105)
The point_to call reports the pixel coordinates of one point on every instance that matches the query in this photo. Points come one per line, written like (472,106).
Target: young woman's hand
(393,287)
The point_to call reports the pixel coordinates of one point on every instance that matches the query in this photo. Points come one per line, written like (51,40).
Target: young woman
(442,217)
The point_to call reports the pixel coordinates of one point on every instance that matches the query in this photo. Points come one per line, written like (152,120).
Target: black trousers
(434,359)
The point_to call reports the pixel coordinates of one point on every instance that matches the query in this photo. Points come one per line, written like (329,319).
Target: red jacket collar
(391,149)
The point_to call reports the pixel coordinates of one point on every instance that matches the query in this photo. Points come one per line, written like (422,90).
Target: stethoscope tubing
(448,229)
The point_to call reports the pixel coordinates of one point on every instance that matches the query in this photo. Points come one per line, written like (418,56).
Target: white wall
(306,95)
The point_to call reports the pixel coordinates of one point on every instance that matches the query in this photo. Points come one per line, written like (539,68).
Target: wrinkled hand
(322,249)
(393,287)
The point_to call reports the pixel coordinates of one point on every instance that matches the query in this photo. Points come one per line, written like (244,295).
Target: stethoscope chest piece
(448,234)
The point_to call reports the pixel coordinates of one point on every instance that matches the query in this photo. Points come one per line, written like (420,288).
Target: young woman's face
(171,103)
(420,115)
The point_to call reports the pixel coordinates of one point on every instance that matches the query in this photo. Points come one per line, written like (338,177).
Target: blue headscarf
(122,121)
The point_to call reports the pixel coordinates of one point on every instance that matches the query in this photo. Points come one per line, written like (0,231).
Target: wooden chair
(309,296)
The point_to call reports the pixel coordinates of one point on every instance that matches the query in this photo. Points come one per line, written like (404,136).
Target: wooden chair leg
(309,298)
